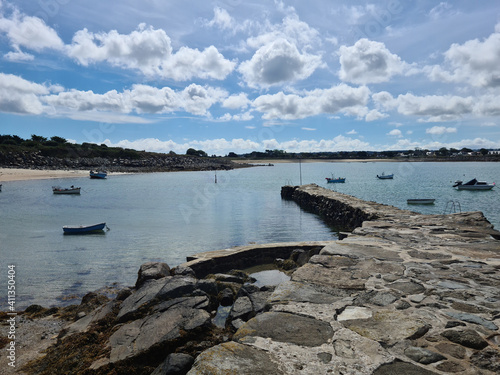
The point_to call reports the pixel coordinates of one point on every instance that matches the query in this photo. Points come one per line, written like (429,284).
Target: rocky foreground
(403,293)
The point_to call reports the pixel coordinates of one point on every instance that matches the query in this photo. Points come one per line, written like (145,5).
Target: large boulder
(151,270)
(159,331)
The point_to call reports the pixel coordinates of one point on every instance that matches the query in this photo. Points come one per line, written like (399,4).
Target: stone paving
(403,294)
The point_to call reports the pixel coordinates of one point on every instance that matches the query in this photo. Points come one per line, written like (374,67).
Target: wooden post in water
(300,168)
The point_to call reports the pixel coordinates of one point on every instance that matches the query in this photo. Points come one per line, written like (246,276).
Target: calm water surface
(168,216)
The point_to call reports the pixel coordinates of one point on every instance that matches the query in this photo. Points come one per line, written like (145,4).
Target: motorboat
(473,184)
(70,190)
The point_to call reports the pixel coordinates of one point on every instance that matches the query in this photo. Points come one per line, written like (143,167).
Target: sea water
(169,216)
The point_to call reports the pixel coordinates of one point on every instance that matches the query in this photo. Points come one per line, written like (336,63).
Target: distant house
(494,152)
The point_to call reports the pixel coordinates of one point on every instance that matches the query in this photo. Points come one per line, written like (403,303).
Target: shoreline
(21,174)
(24,174)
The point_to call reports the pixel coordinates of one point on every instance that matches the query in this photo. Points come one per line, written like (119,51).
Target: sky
(241,76)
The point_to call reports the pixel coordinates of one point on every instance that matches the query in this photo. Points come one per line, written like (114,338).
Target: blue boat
(98,174)
(329,180)
(333,179)
(83,229)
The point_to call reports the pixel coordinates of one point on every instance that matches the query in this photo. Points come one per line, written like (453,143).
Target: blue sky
(240,76)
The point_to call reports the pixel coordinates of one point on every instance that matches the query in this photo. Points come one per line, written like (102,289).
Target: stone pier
(404,293)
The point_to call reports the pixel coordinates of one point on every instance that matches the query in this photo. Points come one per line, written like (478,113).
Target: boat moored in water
(384,176)
(84,229)
(473,184)
(335,180)
(70,190)
(98,174)
(420,201)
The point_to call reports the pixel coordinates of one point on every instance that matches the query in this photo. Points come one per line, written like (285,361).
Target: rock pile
(158,163)
(403,293)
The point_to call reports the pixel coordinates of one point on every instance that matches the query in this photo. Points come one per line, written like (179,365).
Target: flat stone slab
(331,277)
(285,327)
(235,358)
(291,291)
(354,313)
(389,327)
(470,318)
(364,247)
(402,368)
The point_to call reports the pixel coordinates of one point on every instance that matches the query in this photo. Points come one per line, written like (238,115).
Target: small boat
(420,201)
(473,184)
(333,179)
(83,229)
(98,174)
(384,176)
(70,190)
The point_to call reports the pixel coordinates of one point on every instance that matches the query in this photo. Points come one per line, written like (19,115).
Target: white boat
(420,201)
(70,190)
(384,176)
(473,184)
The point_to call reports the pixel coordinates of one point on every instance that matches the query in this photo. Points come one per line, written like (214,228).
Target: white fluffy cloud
(140,99)
(368,62)
(439,130)
(236,101)
(474,62)
(222,146)
(218,146)
(338,99)
(282,53)
(149,51)
(29,32)
(20,96)
(435,107)
(395,133)
(276,63)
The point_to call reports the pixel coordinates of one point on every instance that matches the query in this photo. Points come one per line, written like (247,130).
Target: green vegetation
(61,148)
(441,154)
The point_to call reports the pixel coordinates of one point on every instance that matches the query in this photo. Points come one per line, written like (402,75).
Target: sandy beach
(19,174)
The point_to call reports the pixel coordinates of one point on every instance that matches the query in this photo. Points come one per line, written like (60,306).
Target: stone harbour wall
(402,293)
